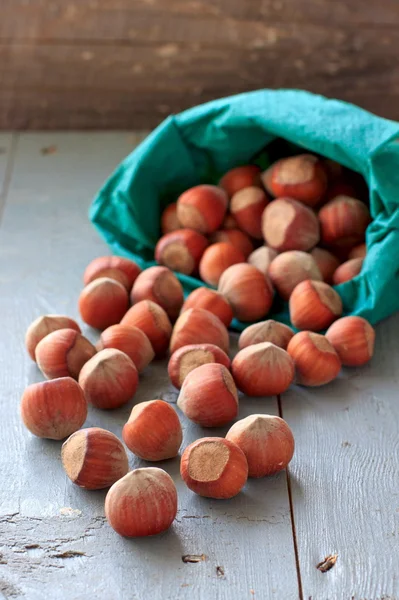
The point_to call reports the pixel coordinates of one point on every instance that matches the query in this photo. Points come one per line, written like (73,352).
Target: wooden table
(340,496)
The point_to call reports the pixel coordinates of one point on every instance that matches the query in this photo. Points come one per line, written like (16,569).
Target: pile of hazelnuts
(250,247)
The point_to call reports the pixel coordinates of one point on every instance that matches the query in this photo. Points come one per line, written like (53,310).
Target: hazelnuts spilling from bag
(259,242)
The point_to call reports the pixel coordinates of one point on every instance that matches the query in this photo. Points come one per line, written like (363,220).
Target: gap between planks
(34,501)
(291,503)
(10,161)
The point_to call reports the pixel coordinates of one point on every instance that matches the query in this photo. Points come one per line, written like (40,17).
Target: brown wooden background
(129,63)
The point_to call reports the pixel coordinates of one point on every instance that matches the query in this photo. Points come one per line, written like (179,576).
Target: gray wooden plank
(48,242)
(344,477)
(6,145)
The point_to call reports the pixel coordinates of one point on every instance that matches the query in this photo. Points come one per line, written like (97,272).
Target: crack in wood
(220,572)
(8,518)
(50,546)
(327,563)
(193,558)
(69,554)
(8,590)
(271,520)
(196,517)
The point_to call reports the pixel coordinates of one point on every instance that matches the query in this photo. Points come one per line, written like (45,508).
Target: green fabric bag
(201,144)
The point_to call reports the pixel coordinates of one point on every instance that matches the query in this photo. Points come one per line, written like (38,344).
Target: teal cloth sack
(201,144)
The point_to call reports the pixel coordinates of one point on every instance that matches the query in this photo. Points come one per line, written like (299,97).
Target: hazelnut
(54,409)
(326,262)
(230,222)
(316,361)
(314,305)
(199,326)
(117,275)
(188,358)
(267,442)
(109,379)
(214,467)
(334,170)
(153,431)
(348,270)
(202,208)
(340,188)
(263,370)
(94,458)
(359,251)
(44,325)
(143,502)
(261,258)
(153,321)
(247,206)
(290,268)
(63,353)
(343,221)
(108,266)
(300,177)
(266,179)
(289,225)
(181,250)
(169,220)
(161,286)
(240,177)
(130,340)
(238,238)
(103,302)
(341,250)
(266,331)
(209,396)
(249,292)
(212,301)
(353,339)
(216,259)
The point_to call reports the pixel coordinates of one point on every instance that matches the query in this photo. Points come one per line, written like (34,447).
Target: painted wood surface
(54,540)
(6,146)
(345,477)
(95,63)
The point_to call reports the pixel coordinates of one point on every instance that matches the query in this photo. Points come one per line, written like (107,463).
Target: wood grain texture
(123,20)
(122,64)
(344,477)
(6,143)
(55,542)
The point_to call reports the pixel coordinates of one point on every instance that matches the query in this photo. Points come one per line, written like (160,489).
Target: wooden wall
(129,63)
